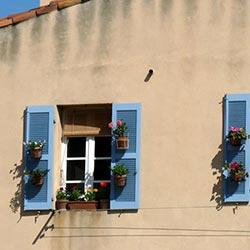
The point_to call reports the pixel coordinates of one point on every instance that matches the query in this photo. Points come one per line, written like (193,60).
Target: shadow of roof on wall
(36,12)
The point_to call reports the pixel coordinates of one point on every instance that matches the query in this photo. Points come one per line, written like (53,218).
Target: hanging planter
(36,152)
(237,178)
(236,142)
(35,148)
(37,176)
(236,135)
(120,180)
(120,174)
(237,171)
(38,180)
(122,142)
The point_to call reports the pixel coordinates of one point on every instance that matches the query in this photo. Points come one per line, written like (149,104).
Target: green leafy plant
(36,173)
(236,170)
(76,194)
(63,194)
(34,144)
(236,133)
(119,169)
(90,194)
(120,129)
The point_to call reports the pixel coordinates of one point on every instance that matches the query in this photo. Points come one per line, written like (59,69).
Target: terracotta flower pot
(104,203)
(120,180)
(38,180)
(122,142)
(236,178)
(76,205)
(36,152)
(236,142)
(61,204)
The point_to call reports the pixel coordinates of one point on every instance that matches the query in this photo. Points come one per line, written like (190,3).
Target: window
(88,154)
(236,114)
(87,161)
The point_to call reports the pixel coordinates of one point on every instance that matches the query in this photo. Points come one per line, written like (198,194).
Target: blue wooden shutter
(39,126)
(236,114)
(127,197)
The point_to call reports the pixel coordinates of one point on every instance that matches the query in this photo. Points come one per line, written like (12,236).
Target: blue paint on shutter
(127,197)
(39,126)
(236,114)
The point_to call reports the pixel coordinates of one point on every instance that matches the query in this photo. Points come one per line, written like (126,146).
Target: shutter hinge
(54,121)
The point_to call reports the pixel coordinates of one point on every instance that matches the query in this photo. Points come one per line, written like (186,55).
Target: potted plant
(236,170)
(37,176)
(103,195)
(62,198)
(236,135)
(120,174)
(35,148)
(122,141)
(80,200)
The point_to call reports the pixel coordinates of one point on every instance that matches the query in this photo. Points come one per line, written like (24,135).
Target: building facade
(177,73)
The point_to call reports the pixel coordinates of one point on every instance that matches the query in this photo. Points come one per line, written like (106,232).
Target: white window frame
(89,163)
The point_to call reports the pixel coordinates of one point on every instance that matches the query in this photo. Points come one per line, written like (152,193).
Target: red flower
(74,188)
(61,188)
(103,184)
(119,123)
(234,165)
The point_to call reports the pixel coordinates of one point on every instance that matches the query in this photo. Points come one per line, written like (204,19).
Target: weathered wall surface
(100,52)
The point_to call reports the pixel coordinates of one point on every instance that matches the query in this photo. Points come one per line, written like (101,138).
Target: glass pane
(102,170)
(76,147)
(102,146)
(78,185)
(75,170)
(103,192)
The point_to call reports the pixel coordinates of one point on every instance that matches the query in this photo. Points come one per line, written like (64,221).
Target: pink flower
(111,125)
(119,123)
(234,129)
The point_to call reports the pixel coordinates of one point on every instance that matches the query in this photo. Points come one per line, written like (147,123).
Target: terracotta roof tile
(67,3)
(22,16)
(53,5)
(46,9)
(5,22)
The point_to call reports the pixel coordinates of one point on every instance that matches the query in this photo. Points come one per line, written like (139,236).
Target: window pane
(76,147)
(103,192)
(102,170)
(102,146)
(75,170)
(71,185)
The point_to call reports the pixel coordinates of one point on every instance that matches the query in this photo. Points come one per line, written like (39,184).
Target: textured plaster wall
(100,52)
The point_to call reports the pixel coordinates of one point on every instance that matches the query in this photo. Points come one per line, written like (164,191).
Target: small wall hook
(150,73)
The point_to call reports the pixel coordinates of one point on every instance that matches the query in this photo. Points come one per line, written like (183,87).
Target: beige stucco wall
(100,52)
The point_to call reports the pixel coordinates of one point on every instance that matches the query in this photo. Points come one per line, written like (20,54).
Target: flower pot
(120,180)
(236,142)
(61,204)
(122,142)
(104,203)
(76,205)
(236,178)
(38,180)
(36,152)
